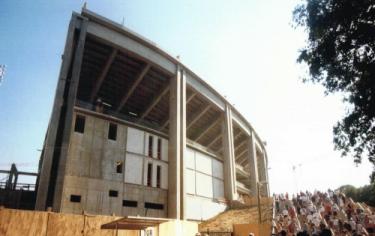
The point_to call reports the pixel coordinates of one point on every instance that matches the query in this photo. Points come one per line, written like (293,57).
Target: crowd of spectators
(321,214)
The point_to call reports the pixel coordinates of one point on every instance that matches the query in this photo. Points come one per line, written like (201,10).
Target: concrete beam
(131,45)
(239,145)
(154,102)
(103,75)
(136,82)
(205,91)
(214,141)
(198,116)
(235,138)
(208,128)
(241,154)
(166,121)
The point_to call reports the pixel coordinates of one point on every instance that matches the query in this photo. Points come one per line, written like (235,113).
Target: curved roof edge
(92,16)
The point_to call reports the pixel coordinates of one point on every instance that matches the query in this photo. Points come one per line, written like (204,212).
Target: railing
(19,186)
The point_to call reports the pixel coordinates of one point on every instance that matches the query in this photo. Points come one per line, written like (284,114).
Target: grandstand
(318,213)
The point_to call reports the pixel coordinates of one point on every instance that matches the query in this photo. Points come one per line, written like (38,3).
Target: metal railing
(18,186)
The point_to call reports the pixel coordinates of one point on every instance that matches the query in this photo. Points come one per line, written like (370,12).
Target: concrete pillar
(49,142)
(265,165)
(61,152)
(230,190)
(177,146)
(254,177)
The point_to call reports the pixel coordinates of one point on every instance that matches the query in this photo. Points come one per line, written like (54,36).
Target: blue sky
(245,49)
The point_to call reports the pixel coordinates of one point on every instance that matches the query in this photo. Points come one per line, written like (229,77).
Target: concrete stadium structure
(133,131)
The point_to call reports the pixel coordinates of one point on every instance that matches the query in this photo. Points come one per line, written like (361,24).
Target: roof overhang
(134,223)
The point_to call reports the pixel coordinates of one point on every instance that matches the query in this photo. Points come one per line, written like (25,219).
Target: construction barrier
(34,223)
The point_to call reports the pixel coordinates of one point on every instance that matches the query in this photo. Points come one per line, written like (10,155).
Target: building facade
(133,131)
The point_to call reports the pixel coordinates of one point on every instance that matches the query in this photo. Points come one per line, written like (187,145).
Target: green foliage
(364,194)
(340,54)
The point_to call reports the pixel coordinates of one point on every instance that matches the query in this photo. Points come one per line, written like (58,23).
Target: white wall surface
(133,168)
(202,208)
(135,141)
(203,163)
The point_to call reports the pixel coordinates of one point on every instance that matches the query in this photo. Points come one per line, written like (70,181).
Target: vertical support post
(183,144)
(265,165)
(254,178)
(69,101)
(49,143)
(230,190)
(176,145)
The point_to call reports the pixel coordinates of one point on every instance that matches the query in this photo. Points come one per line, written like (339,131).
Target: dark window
(113,193)
(75,198)
(128,203)
(112,132)
(119,167)
(156,206)
(149,174)
(80,124)
(150,145)
(158,176)
(159,148)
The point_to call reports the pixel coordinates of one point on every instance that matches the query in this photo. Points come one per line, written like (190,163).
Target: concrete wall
(204,185)
(92,170)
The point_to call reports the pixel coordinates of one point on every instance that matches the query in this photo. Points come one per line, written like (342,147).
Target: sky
(245,49)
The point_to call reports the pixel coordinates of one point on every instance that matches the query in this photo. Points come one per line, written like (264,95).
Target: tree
(340,54)
(364,194)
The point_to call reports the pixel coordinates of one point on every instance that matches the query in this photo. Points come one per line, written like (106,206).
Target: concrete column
(265,165)
(230,190)
(49,142)
(57,180)
(183,145)
(254,177)
(176,145)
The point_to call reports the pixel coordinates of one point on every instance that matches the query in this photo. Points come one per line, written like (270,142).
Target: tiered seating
(318,213)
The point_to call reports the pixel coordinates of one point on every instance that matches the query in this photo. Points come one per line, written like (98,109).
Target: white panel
(218,186)
(194,209)
(204,185)
(202,209)
(135,141)
(164,150)
(217,169)
(190,181)
(190,158)
(133,169)
(203,163)
(211,209)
